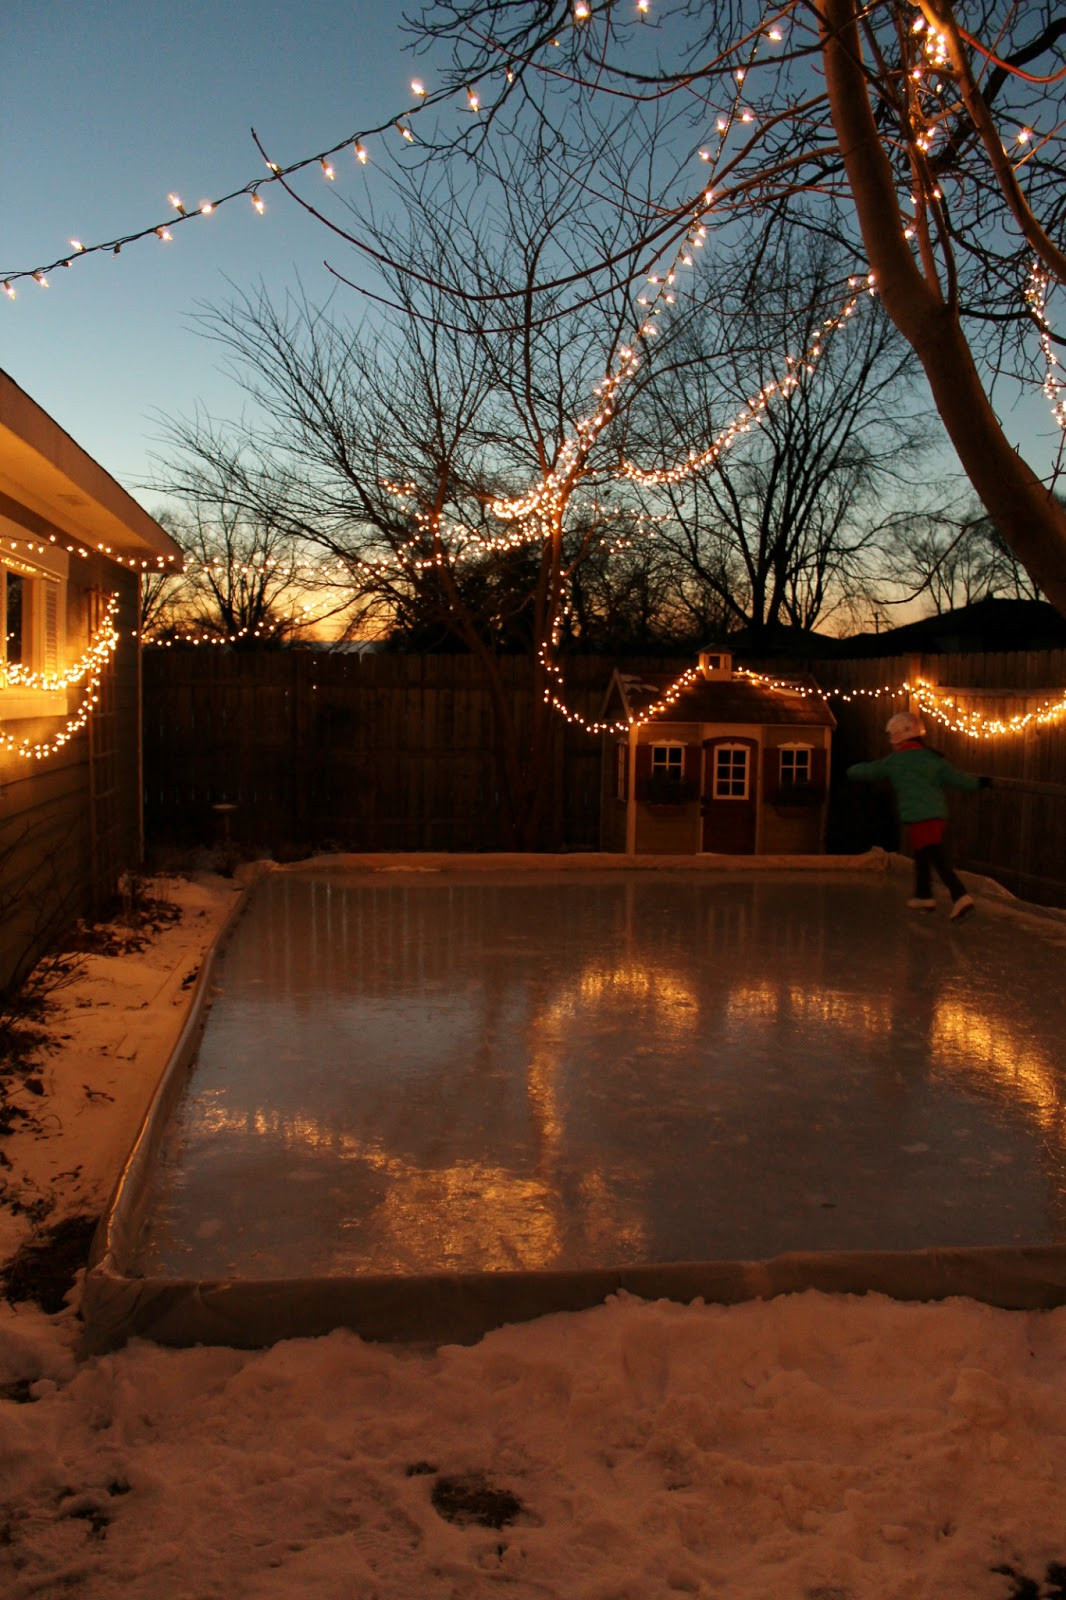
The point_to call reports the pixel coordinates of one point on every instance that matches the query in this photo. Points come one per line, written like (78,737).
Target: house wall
(794,830)
(669,829)
(70,822)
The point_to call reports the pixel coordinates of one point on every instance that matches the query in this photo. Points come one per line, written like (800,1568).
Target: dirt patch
(44,1269)
(470,1498)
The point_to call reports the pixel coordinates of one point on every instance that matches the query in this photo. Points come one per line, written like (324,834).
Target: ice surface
(454,1071)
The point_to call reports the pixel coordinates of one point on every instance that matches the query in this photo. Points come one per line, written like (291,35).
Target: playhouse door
(729,795)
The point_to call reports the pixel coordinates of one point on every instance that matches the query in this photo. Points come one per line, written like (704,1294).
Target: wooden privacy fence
(394,752)
(361,752)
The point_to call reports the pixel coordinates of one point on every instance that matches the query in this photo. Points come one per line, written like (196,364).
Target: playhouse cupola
(716,662)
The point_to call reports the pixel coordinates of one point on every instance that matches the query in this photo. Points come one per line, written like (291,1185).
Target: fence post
(300,689)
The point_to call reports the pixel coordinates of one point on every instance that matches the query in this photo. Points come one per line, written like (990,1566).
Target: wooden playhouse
(731,765)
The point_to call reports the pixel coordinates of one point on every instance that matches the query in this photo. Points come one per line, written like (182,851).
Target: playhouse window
(731,772)
(795,765)
(668,762)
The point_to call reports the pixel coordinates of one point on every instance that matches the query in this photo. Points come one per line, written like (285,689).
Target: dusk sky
(107,109)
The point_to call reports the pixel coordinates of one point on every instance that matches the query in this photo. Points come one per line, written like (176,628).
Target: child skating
(919,777)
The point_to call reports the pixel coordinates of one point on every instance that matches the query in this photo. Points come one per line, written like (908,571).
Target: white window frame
(795,780)
(668,760)
(44,606)
(733,750)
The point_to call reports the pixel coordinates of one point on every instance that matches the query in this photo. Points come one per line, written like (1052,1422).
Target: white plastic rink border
(459,1308)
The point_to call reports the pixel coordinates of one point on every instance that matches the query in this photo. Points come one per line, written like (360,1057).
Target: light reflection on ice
(572,1071)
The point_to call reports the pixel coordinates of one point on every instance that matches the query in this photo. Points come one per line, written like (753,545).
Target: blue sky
(105,109)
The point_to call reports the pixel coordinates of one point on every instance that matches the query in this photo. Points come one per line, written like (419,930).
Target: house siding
(70,822)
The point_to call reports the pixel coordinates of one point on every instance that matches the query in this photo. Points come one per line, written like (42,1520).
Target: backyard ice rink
(413,1071)
(809,1446)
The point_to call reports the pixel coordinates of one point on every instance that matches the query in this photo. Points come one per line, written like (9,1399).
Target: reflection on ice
(483,1073)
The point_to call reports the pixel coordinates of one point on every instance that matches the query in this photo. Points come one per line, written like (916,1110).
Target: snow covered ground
(817,1447)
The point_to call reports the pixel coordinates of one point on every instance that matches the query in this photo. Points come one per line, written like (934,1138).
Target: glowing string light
(1054,387)
(930,701)
(91,666)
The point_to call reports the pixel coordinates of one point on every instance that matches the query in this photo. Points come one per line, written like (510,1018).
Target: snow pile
(821,1447)
(113,1025)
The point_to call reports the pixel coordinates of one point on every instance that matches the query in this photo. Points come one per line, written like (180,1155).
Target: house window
(31,617)
(16,617)
(731,772)
(668,762)
(795,767)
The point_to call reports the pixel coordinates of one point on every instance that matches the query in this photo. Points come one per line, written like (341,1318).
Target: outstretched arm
(868,771)
(952,778)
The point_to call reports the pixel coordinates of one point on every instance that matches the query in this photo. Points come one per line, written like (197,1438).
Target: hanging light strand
(90,668)
(931,701)
(1036,293)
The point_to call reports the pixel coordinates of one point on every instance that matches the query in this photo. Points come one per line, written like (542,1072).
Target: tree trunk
(1031,521)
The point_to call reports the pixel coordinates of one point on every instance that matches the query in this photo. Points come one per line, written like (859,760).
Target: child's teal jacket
(918,776)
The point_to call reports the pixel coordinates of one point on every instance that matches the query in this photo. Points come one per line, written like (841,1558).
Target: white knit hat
(903,726)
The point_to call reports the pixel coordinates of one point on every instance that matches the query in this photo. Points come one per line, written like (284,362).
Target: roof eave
(43,471)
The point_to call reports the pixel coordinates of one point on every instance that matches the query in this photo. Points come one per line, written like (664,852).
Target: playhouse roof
(723,700)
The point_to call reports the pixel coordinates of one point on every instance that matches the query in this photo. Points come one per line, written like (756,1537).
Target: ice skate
(917,904)
(962,907)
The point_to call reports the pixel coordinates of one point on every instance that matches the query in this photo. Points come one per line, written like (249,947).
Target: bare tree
(932,149)
(784,530)
(445,460)
(245,580)
(954,559)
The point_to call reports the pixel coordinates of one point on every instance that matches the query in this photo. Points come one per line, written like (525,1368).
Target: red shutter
(818,769)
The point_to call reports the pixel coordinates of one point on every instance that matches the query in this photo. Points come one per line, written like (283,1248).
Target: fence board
(395,753)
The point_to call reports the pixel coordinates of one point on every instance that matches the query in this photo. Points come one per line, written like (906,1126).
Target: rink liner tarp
(460,1307)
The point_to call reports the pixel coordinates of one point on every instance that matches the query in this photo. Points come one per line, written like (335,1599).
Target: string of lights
(90,667)
(83,551)
(181,213)
(1036,293)
(100,648)
(933,704)
(751,415)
